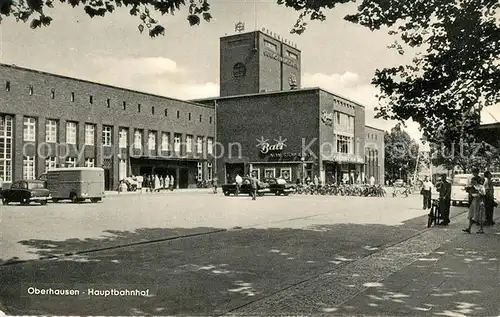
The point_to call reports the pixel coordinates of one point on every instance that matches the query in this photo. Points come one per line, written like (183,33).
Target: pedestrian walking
(140,181)
(151,183)
(254,185)
(444,200)
(489,199)
(214,184)
(172,183)
(426,193)
(166,183)
(157,183)
(145,184)
(238,181)
(1,183)
(477,212)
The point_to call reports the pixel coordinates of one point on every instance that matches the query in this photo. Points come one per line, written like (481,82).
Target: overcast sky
(336,55)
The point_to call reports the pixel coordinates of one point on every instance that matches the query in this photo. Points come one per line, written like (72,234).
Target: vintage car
(279,186)
(245,188)
(399,183)
(25,192)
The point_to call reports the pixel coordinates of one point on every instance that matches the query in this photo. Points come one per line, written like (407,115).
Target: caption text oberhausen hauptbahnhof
(89,291)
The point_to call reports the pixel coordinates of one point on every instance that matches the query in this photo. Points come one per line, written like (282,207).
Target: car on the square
(25,192)
(279,186)
(459,194)
(399,183)
(245,188)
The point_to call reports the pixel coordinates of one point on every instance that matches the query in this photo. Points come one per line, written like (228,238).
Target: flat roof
(371,127)
(277,93)
(226,37)
(101,84)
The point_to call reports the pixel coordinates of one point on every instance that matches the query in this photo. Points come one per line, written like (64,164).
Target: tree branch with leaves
(453,77)
(35,11)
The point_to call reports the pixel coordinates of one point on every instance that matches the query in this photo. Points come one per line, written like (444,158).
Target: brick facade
(295,116)
(43,96)
(268,61)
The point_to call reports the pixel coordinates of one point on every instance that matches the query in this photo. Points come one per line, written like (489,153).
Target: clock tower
(256,62)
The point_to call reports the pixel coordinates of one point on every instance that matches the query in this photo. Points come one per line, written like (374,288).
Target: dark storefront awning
(490,133)
(166,158)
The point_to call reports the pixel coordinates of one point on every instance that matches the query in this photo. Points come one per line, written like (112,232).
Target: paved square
(196,253)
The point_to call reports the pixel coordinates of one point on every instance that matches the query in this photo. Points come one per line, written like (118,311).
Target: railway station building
(47,121)
(270,125)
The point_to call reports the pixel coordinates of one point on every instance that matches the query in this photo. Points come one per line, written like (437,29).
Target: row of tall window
(52,126)
(108,102)
(372,136)
(344,144)
(344,122)
(6,140)
(29,165)
(273,47)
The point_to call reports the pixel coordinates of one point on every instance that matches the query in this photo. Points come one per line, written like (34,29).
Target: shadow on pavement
(459,279)
(203,275)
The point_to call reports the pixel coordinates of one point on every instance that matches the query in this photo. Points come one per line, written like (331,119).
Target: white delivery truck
(75,183)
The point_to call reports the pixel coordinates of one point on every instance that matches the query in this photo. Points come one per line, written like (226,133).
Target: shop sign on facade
(327,118)
(286,155)
(347,158)
(266,147)
(280,58)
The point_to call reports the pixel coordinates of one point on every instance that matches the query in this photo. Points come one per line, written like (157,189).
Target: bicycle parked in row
(341,190)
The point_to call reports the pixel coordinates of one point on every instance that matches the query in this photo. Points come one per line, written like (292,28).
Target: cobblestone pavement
(275,255)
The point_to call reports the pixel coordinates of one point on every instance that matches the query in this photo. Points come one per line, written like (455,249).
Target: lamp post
(302,159)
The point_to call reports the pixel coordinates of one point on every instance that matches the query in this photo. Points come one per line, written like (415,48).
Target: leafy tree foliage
(447,86)
(455,75)
(34,11)
(401,153)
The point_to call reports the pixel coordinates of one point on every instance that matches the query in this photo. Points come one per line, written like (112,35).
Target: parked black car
(246,188)
(25,192)
(279,186)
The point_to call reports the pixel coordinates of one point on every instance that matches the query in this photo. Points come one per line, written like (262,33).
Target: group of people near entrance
(481,199)
(151,183)
(252,178)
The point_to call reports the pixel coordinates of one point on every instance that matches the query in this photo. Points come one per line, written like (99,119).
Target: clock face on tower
(239,70)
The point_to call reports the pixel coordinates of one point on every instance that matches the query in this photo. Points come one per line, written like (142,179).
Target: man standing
(239,181)
(372,181)
(426,193)
(254,184)
(489,199)
(444,200)
(172,183)
(214,184)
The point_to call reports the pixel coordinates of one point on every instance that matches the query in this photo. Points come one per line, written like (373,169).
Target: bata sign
(266,147)
(280,58)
